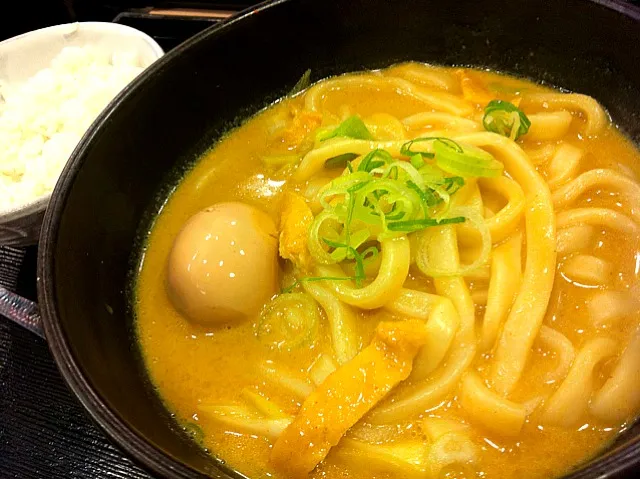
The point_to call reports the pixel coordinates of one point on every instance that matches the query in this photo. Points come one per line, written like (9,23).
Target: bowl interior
(118,178)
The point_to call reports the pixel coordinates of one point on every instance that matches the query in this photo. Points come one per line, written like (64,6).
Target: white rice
(43,119)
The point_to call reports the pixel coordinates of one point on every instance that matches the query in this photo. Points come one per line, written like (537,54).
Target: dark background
(19,16)
(44,432)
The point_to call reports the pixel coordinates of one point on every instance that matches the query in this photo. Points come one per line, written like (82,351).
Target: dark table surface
(44,431)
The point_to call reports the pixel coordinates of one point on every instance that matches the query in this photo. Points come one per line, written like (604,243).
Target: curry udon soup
(417,272)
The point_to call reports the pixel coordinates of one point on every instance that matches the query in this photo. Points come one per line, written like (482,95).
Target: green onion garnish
(453,157)
(370,254)
(453,184)
(428,198)
(288,321)
(384,198)
(405,149)
(465,160)
(417,161)
(352,127)
(350,253)
(375,159)
(417,225)
(506,119)
(302,84)
(349,167)
(340,161)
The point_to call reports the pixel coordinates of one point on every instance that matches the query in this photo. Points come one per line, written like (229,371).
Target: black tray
(44,431)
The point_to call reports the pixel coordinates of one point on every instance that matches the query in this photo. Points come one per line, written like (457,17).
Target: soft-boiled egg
(224,264)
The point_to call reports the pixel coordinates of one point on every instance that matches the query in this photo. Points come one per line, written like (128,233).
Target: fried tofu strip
(347,395)
(303,124)
(295,221)
(473,90)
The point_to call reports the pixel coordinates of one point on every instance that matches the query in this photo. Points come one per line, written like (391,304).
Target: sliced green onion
(432,174)
(440,187)
(417,225)
(351,253)
(375,159)
(302,84)
(339,187)
(506,119)
(350,206)
(466,160)
(288,321)
(340,161)
(417,161)
(359,237)
(412,174)
(453,184)
(359,273)
(315,243)
(428,199)
(385,198)
(405,149)
(370,254)
(352,127)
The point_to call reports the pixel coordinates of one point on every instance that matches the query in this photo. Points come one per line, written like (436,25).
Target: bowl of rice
(54,83)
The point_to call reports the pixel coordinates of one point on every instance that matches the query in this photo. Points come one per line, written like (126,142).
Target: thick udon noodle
(494,359)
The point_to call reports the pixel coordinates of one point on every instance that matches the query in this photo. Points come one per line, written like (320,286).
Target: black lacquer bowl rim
(116,428)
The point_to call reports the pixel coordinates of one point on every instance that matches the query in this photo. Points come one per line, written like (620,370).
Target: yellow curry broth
(192,365)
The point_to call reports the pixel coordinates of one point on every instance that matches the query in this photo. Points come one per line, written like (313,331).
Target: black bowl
(135,153)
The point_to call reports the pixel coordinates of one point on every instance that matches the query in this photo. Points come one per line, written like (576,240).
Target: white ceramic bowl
(23,56)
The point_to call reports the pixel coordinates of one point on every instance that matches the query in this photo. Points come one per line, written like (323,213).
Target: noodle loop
(455,287)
